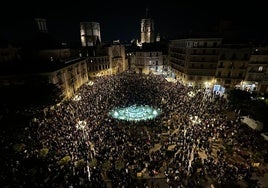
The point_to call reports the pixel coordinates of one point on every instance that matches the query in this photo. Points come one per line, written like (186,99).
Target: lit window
(260,68)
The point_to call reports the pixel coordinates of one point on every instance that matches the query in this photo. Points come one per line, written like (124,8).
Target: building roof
(57,65)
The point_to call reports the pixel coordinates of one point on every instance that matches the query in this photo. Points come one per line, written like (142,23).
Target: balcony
(202,59)
(204,54)
(258,62)
(200,68)
(177,62)
(253,78)
(201,72)
(206,47)
(177,67)
(256,72)
(230,77)
(176,50)
(177,56)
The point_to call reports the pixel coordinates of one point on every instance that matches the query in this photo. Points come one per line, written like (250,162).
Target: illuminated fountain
(135,113)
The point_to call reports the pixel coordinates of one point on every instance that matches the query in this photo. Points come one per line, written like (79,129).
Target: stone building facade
(68,77)
(107,60)
(232,65)
(194,60)
(257,71)
(147,30)
(146,62)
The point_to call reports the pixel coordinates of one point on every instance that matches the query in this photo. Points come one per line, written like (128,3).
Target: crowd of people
(78,144)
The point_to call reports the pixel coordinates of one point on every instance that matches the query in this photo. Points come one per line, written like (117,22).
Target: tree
(238,97)
(258,109)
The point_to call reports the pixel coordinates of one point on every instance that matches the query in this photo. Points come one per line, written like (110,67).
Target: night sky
(121,19)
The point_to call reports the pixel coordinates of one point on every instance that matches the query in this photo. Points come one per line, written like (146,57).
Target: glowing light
(135,113)
(207,83)
(77,98)
(191,94)
(195,119)
(190,84)
(90,83)
(81,125)
(169,79)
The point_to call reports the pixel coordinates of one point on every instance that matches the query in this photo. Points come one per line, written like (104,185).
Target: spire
(147,13)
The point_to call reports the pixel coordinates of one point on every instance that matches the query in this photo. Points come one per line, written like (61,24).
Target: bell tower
(147,29)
